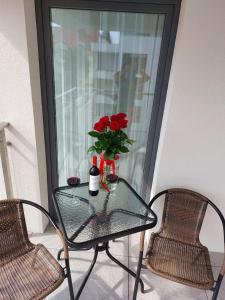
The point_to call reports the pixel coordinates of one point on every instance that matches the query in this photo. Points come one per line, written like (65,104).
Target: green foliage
(129,141)
(124,149)
(94,134)
(91,149)
(110,142)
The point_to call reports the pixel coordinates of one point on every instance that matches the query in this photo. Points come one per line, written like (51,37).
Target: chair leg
(217,287)
(68,275)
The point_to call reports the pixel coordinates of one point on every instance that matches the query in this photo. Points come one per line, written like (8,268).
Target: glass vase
(109,172)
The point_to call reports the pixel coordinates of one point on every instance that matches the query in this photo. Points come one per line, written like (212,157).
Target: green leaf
(121,134)
(115,140)
(101,144)
(129,141)
(91,149)
(94,134)
(98,144)
(99,151)
(124,149)
(114,149)
(101,136)
(124,135)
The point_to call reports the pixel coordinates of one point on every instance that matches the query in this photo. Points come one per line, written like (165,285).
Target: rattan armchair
(27,271)
(175,252)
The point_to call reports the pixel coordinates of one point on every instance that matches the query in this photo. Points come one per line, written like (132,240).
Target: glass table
(93,221)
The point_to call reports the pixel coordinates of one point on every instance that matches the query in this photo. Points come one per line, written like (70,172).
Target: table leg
(100,248)
(138,275)
(87,274)
(126,269)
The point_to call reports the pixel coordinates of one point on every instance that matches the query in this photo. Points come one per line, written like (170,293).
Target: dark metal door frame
(171,9)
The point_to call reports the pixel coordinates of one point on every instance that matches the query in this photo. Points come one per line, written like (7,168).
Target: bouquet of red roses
(111,139)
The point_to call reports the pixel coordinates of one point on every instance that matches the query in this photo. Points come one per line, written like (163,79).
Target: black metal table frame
(101,243)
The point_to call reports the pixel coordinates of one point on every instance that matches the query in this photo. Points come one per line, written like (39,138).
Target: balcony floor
(109,281)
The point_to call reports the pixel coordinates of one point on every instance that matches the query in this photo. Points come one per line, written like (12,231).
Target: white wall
(20,104)
(192,143)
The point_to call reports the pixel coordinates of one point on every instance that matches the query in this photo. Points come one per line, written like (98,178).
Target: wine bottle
(94,178)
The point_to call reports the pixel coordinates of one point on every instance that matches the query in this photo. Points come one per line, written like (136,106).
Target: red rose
(105,120)
(121,115)
(115,125)
(118,117)
(118,121)
(99,127)
(114,118)
(123,123)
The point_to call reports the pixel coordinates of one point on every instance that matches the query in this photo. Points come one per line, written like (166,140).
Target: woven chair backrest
(183,214)
(13,232)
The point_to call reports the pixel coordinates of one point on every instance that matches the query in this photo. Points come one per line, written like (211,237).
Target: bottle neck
(94,161)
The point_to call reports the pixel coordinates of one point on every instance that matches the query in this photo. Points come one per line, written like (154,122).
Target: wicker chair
(27,271)
(175,252)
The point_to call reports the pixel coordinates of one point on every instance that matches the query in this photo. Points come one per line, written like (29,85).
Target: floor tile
(49,239)
(119,247)
(107,280)
(158,288)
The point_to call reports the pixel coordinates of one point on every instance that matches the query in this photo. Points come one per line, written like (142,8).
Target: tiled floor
(109,281)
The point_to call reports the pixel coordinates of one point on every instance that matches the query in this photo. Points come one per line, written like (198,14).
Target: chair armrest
(156,197)
(59,232)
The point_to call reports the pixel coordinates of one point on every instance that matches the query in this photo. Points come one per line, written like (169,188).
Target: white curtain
(104,63)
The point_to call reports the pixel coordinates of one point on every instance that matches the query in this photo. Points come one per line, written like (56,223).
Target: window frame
(171,9)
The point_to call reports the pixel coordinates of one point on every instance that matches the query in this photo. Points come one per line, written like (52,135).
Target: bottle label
(94,183)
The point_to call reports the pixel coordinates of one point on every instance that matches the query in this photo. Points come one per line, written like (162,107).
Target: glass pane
(104,63)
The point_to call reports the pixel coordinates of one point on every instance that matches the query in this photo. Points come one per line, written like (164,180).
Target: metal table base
(98,248)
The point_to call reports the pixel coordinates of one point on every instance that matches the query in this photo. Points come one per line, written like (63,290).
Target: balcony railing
(5,160)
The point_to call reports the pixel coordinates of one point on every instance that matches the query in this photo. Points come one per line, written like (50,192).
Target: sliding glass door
(104,63)
(102,58)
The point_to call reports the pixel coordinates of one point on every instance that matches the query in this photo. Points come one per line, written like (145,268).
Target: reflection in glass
(104,63)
